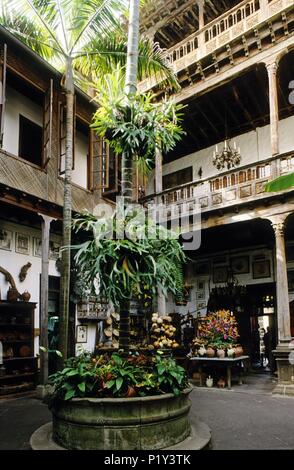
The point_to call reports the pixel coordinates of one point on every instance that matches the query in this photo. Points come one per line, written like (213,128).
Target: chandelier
(229,157)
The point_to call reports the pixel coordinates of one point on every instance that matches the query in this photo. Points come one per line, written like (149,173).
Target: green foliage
(136,125)
(170,376)
(103,376)
(150,256)
(88,31)
(280,184)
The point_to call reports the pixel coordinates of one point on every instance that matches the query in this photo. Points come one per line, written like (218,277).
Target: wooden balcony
(230,188)
(235,24)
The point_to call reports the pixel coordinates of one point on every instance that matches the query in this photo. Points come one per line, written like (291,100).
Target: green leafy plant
(125,265)
(117,376)
(171,377)
(136,126)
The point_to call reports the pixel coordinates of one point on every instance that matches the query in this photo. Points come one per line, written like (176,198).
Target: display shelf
(19,372)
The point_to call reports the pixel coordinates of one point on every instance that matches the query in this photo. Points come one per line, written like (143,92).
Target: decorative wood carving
(24,271)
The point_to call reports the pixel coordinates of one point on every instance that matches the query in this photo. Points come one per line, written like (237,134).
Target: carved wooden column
(283,351)
(201,38)
(161,300)
(46,221)
(272,70)
(283,308)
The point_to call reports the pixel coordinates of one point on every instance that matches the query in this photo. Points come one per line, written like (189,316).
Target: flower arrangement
(219,328)
(218,331)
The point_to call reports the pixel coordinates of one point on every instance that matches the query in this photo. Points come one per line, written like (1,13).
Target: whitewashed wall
(12,262)
(80,172)
(255,146)
(17,104)
(244,279)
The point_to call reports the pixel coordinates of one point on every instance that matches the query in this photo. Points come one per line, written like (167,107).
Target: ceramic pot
(12,294)
(210,352)
(25,296)
(239,351)
(209,382)
(231,352)
(221,353)
(202,351)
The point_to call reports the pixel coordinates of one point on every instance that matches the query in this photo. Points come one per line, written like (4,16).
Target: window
(177,178)
(30,140)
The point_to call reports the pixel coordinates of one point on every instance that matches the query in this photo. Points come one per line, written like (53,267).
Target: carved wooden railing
(229,188)
(235,22)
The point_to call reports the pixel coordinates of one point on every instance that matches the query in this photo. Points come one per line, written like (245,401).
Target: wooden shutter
(47,125)
(62,135)
(3,68)
(114,174)
(99,162)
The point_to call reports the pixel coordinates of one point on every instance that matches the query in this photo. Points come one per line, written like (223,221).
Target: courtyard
(246,418)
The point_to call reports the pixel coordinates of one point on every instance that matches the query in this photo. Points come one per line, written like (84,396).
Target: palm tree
(78,35)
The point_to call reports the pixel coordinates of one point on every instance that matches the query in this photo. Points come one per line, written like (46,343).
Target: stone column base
(284,355)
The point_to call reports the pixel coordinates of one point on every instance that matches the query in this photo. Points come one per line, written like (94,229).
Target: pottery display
(231,352)
(25,296)
(209,382)
(210,352)
(221,353)
(12,294)
(202,351)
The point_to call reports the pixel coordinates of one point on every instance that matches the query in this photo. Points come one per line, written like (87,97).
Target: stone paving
(246,417)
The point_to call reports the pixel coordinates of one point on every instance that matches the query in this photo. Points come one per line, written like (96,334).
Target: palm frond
(105,53)
(92,18)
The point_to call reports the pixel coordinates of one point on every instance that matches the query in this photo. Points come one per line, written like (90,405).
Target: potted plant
(116,402)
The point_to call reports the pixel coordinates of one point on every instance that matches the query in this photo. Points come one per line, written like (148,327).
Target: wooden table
(227,362)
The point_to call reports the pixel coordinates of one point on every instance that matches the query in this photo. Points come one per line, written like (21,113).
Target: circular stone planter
(147,423)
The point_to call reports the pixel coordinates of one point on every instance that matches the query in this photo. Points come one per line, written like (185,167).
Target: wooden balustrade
(243,17)
(229,188)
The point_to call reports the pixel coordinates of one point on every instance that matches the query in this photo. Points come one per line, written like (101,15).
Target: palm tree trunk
(127,160)
(67,216)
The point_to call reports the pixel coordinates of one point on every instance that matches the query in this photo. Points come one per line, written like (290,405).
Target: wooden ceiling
(173,20)
(233,109)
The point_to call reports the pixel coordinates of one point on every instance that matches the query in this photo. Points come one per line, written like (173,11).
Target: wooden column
(201,13)
(272,70)
(161,300)
(283,308)
(46,221)
(158,171)
(264,8)
(201,38)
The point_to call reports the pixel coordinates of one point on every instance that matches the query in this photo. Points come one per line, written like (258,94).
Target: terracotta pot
(12,294)
(25,296)
(131,392)
(221,353)
(210,352)
(239,351)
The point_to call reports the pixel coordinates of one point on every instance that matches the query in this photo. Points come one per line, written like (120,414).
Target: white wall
(80,172)
(255,146)
(17,104)
(12,262)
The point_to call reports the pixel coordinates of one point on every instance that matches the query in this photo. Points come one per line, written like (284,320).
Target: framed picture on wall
(261,269)
(200,295)
(220,274)
(240,265)
(37,247)
(22,243)
(82,333)
(200,286)
(54,249)
(6,238)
